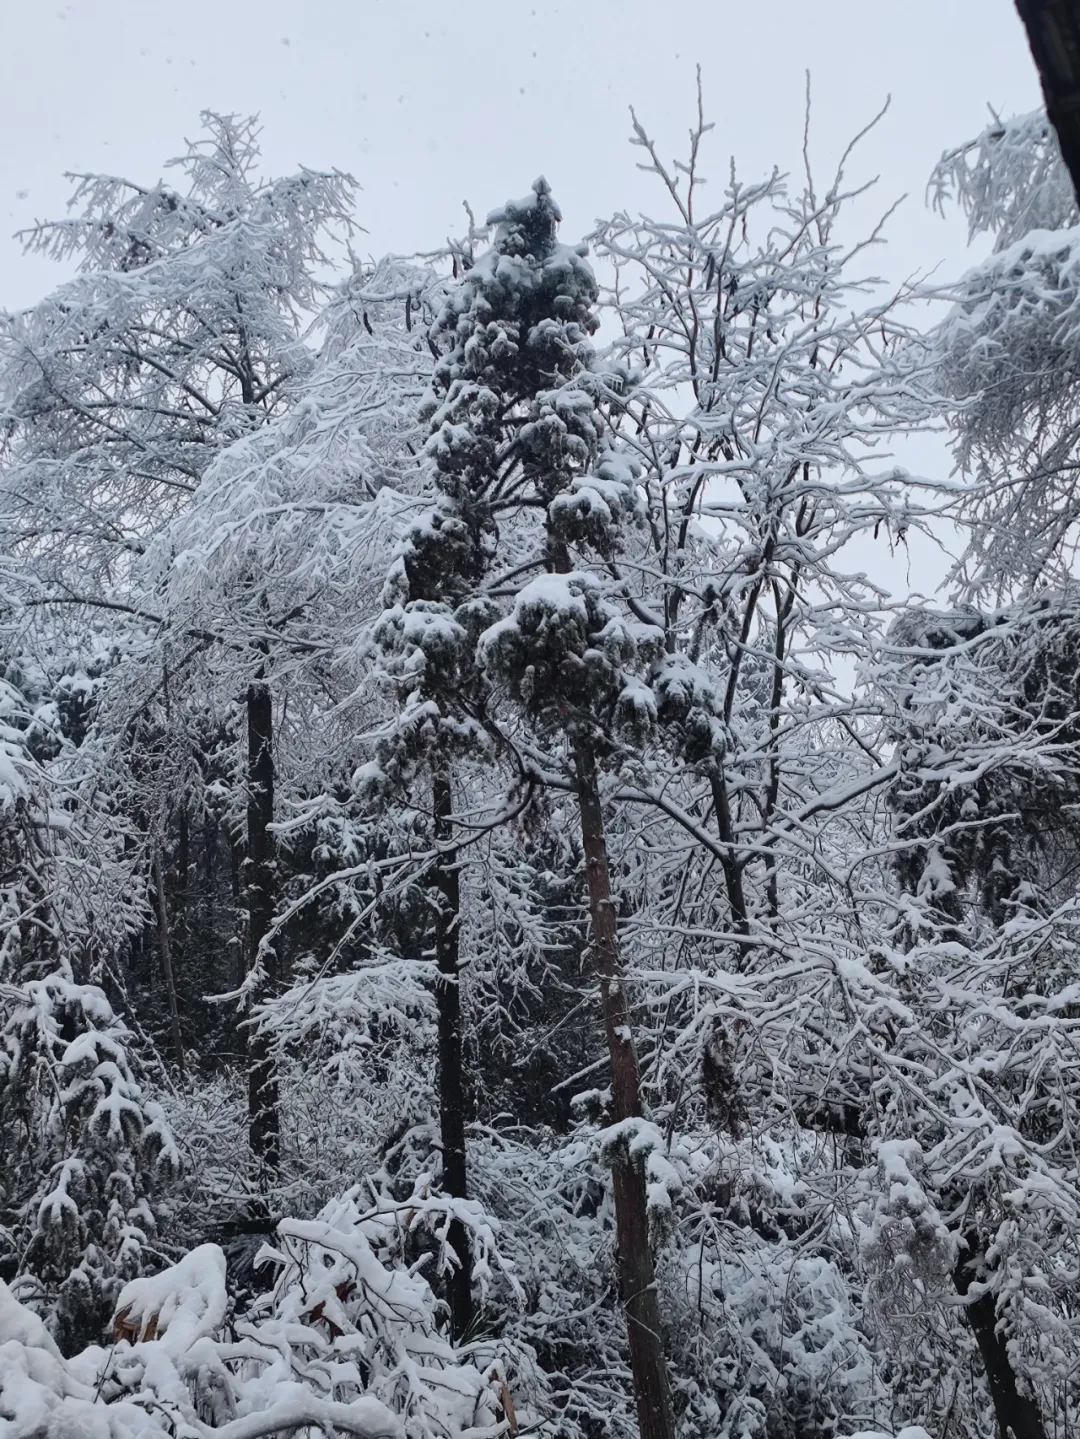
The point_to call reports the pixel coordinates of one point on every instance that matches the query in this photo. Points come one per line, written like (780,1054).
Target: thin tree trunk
(451,1061)
(183,874)
(1053,31)
(166,961)
(263,1119)
(636,1277)
(1017,1415)
(729,864)
(772,795)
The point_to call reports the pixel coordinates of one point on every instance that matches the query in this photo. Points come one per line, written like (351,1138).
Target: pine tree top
(527,226)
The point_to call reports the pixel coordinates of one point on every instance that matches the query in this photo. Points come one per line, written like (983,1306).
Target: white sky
(430,102)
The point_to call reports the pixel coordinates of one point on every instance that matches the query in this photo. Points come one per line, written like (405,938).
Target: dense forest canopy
(507,925)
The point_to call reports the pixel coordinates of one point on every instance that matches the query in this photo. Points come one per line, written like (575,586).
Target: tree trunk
(183,874)
(1053,31)
(166,961)
(451,1062)
(729,864)
(1017,1415)
(636,1278)
(263,1119)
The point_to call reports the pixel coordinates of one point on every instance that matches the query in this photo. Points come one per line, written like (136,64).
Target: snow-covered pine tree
(493,335)
(86,1157)
(569,655)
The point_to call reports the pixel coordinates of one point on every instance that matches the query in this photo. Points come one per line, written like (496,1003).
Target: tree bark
(451,1061)
(729,864)
(1017,1416)
(166,961)
(183,873)
(264,1134)
(1053,31)
(636,1276)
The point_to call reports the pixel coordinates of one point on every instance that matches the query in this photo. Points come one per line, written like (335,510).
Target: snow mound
(177,1306)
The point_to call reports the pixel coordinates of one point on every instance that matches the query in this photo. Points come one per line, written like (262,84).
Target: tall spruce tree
(517,326)
(568,654)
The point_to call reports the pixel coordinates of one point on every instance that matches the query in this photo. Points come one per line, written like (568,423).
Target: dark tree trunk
(451,1062)
(636,1277)
(183,873)
(1053,31)
(729,864)
(165,949)
(1017,1415)
(259,876)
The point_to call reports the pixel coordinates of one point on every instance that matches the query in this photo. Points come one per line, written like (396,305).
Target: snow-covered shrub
(349,1341)
(85,1152)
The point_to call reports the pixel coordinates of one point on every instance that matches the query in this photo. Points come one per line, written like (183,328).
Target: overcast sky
(428,103)
(432,102)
